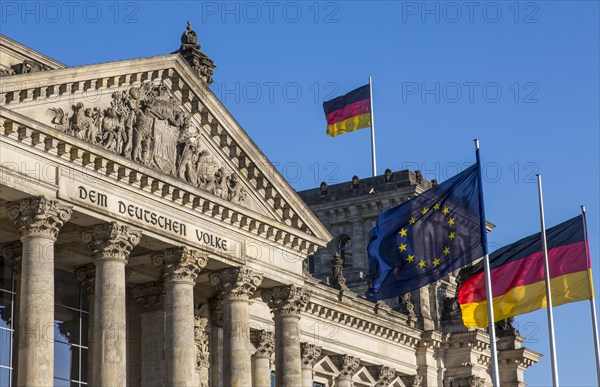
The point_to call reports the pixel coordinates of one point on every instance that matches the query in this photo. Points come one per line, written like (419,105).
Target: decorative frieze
(181,264)
(286,300)
(264,342)
(310,354)
(150,296)
(236,283)
(111,241)
(38,216)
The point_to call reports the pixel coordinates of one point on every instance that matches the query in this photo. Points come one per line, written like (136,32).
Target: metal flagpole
(592,300)
(548,288)
(488,278)
(373,157)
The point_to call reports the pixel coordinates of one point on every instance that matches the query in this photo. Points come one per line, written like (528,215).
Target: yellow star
(402,233)
(451,236)
(451,221)
(410,258)
(421,263)
(436,262)
(402,247)
(447,250)
(436,207)
(412,220)
(424,210)
(446,210)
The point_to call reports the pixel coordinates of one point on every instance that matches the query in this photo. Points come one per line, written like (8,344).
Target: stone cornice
(197,99)
(103,163)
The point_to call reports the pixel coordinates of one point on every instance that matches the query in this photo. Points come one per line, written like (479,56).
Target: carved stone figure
(338,280)
(388,175)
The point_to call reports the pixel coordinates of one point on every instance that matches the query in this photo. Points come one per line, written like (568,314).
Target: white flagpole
(373,157)
(548,288)
(592,300)
(488,280)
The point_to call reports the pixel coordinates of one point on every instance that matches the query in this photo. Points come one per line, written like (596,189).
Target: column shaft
(261,371)
(180,351)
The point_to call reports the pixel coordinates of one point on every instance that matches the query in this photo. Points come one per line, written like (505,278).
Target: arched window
(345,250)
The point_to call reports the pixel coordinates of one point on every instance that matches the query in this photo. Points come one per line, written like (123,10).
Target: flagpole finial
(582,208)
(476,141)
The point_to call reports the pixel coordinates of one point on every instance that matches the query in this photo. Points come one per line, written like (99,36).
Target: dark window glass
(66,325)
(66,289)
(84,360)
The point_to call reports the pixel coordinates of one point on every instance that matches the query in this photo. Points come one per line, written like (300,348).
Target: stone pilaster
(347,365)
(216,341)
(38,221)
(202,340)
(181,267)
(111,244)
(427,366)
(310,354)
(236,285)
(86,274)
(264,343)
(286,303)
(150,297)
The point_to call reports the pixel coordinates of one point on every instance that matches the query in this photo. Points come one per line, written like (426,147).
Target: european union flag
(424,239)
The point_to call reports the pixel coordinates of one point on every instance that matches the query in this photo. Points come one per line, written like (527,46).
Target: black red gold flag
(349,112)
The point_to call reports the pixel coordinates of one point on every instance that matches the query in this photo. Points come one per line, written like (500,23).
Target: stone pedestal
(286,302)
(236,285)
(111,244)
(181,267)
(261,360)
(38,221)
(151,300)
(310,354)
(348,365)
(87,275)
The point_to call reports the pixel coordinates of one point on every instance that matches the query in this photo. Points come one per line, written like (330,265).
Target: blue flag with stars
(426,238)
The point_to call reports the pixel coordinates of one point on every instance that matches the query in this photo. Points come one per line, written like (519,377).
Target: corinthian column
(181,267)
(237,285)
(151,299)
(348,365)
(261,360)
(111,244)
(286,302)
(39,221)
(310,355)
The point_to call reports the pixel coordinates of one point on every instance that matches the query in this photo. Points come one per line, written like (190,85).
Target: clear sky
(523,77)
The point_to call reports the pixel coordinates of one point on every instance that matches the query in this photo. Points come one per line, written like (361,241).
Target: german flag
(517,273)
(349,112)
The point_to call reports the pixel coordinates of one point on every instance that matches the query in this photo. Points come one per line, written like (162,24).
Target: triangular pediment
(157,113)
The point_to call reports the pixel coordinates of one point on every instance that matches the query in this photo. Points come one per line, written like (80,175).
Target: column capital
(181,264)
(348,365)
(13,254)
(264,342)
(87,275)
(310,354)
(236,283)
(286,300)
(38,216)
(150,296)
(111,241)
(412,380)
(384,375)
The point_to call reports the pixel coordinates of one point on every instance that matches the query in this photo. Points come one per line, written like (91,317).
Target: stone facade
(152,233)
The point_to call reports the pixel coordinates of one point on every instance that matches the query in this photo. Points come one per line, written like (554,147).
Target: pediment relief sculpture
(146,124)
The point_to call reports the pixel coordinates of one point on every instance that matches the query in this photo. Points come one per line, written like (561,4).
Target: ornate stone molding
(286,300)
(13,254)
(383,374)
(39,216)
(150,296)
(111,241)
(201,337)
(87,275)
(181,264)
(346,364)
(264,342)
(465,381)
(310,354)
(236,283)
(412,380)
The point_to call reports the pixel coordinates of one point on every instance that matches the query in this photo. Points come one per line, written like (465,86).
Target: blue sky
(523,77)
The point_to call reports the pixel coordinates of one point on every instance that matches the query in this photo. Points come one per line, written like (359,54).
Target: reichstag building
(146,241)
